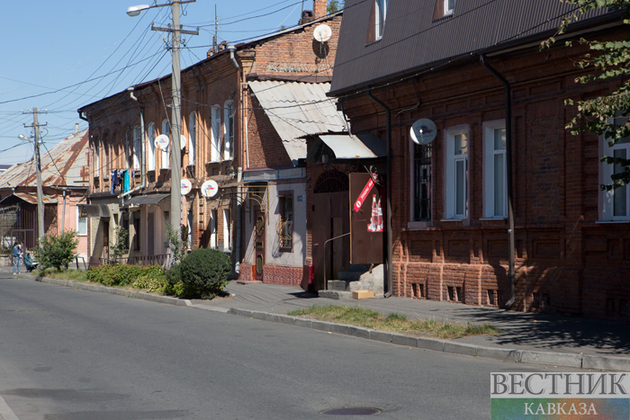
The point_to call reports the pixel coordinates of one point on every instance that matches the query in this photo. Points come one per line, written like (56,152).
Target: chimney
(76,128)
(319,8)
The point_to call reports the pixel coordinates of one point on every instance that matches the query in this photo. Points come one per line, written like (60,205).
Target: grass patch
(53,273)
(362,317)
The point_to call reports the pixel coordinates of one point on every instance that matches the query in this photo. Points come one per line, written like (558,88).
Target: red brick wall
(566,262)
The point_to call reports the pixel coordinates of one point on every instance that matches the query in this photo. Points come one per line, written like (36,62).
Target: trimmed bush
(205,271)
(150,278)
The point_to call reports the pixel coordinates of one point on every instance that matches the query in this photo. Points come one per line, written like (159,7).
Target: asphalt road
(69,354)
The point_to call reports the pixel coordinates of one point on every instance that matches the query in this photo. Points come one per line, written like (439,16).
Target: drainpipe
(239,179)
(387,239)
(63,212)
(510,192)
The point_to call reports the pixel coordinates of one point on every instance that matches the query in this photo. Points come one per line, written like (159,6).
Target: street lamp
(176,176)
(40,191)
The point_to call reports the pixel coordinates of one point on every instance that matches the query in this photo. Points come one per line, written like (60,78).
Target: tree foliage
(606,115)
(56,250)
(334,6)
(119,248)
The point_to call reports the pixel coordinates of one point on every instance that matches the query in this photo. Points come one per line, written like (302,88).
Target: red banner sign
(363,195)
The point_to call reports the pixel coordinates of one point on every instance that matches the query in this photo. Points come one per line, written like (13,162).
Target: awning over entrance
(94,210)
(147,199)
(348,146)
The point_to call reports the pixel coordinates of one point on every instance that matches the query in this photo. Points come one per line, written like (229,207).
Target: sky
(61,55)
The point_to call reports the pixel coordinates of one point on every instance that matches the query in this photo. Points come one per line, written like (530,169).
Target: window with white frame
(97,158)
(82,224)
(457,173)
(495,170)
(215,152)
(228,129)
(137,147)
(380,16)
(151,148)
(449,5)
(166,154)
(227,225)
(128,148)
(616,202)
(192,137)
(213,229)
(285,222)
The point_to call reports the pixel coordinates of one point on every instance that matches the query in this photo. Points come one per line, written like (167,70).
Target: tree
(56,251)
(120,246)
(176,244)
(606,115)
(334,6)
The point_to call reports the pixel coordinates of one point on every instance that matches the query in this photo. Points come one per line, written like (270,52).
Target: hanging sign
(423,131)
(209,188)
(364,193)
(186,186)
(161,142)
(183,141)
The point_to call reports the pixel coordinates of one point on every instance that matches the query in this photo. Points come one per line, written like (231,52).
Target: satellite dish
(322,33)
(423,131)
(209,188)
(186,186)
(161,142)
(183,141)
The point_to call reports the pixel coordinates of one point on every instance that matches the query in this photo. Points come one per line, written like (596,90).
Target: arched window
(215,152)
(151,148)
(166,154)
(192,139)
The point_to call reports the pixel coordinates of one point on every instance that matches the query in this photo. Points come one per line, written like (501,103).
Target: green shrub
(149,277)
(205,272)
(56,251)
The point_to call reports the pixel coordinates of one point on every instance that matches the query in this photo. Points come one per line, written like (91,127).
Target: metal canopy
(94,210)
(349,146)
(147,199)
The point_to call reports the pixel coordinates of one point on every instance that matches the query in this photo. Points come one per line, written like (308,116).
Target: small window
(443,8)
(97,158)
(82,224)
(284,227)
(213,229)
(378,16)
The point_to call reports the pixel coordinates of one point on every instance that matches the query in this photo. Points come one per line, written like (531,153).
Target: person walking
(17,256)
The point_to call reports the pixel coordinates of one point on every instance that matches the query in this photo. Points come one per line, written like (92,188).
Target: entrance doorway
(331,218)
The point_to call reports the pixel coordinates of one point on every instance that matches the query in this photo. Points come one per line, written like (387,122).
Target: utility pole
(40,191)
(176,118)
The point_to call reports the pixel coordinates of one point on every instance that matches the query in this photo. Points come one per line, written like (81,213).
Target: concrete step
(335,294)
(340,285)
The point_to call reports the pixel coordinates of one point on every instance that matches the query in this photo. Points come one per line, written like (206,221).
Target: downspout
(63,212)
(142,157)
(387,239)
(239,179)
(510,192)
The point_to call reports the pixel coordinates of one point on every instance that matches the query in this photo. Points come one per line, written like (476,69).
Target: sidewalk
(526,338)
(545,339)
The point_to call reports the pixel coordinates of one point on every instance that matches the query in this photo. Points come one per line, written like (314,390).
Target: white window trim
(214,237)
(137,147)
(228,139)
(606,170)
(380,16)
(488,168)
(166,154)
(151,148)
(192,137)
(215,128)
(87,221)
(447,11)
(450,159)
(227,224)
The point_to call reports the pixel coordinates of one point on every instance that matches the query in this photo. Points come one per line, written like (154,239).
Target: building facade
(484,86)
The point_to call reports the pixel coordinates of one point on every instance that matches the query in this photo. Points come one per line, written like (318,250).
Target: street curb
(573,360)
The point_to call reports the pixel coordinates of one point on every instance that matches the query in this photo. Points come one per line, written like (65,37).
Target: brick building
(244,109)
(450,236)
